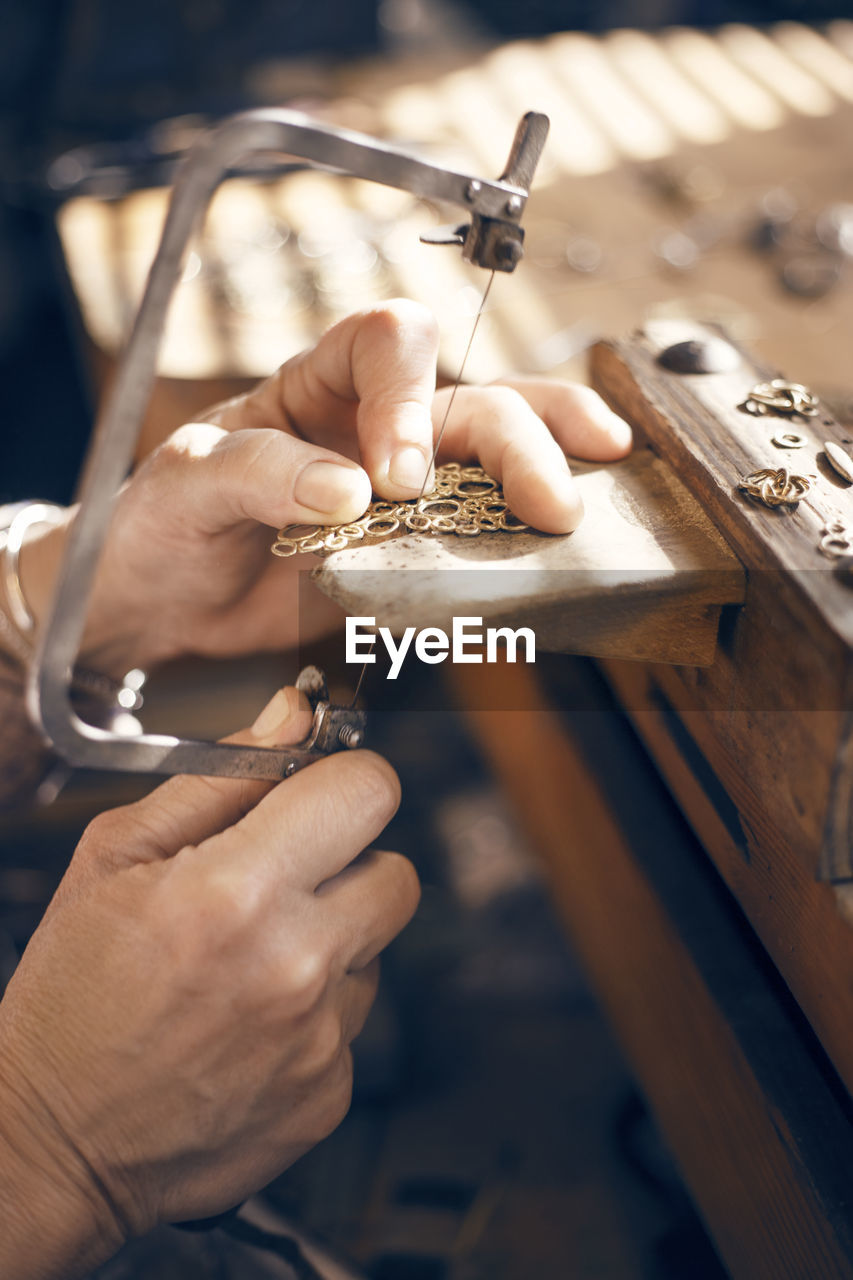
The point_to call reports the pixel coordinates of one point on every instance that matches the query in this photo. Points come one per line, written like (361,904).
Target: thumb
(188,809)
(216,479)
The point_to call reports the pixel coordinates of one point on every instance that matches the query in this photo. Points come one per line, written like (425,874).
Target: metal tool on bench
(493,238)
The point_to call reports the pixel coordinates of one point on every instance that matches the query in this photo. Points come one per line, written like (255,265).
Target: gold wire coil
(465,501)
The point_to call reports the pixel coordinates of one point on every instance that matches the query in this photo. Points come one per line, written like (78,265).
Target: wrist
(111,638)
(34,574)
(55,1221)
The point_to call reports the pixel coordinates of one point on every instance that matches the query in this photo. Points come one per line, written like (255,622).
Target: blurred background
(718,135)
(700,165)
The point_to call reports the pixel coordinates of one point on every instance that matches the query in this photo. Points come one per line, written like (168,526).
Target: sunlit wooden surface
(683,132)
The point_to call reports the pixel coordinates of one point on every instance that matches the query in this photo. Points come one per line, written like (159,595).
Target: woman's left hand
(187,566)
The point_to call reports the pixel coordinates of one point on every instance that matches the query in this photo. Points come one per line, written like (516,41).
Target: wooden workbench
(723,963)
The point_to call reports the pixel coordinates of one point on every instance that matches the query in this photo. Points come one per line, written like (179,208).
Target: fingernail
(408,467)
(617,428)
(326,487)
(567,492)
(278,712)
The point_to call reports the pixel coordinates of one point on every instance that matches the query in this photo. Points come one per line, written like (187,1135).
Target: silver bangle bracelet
(17,628)
(32,513)
(125,694)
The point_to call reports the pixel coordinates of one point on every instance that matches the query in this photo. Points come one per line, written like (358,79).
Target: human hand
(178,1029)
(187,567)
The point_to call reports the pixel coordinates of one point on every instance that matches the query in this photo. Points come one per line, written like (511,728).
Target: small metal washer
(789,440)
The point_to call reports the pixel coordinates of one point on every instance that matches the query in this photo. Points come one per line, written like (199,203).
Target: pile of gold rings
(775,487)
(791,399)
(465,501)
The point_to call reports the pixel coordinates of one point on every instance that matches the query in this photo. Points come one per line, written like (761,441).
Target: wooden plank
(806,925)
(697,423)
(778,697)
(752,1114)
(643,576)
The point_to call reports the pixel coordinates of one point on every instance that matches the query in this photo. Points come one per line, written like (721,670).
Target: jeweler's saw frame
(493,238)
